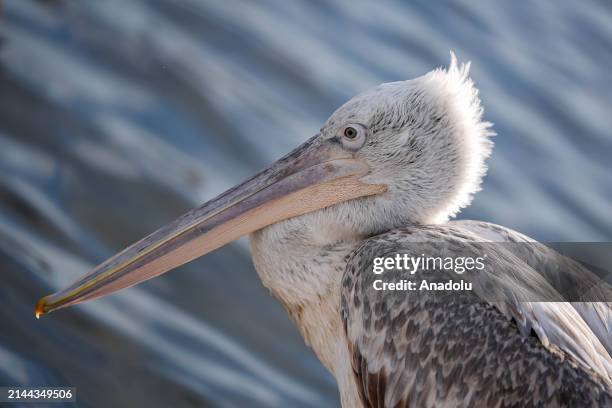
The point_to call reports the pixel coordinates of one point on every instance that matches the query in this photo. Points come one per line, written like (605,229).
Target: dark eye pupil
(350,132)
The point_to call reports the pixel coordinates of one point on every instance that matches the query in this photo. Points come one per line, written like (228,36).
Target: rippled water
(117,116)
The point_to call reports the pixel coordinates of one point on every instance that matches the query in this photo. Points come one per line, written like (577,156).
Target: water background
(118,116)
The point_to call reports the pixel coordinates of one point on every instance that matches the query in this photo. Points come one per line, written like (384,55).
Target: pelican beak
(316,175)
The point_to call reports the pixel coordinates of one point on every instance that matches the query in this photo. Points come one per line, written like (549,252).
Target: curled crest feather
(457,95)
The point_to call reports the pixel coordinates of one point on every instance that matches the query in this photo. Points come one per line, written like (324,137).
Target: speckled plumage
(419,350)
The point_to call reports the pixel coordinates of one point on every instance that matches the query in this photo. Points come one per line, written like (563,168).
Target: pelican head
(405,152)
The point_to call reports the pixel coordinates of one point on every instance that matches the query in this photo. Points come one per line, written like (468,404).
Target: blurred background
(118,116)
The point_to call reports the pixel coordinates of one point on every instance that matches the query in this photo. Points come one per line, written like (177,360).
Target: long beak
(316,175)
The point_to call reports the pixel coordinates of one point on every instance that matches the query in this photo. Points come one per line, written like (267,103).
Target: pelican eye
(353,136)
(350,132)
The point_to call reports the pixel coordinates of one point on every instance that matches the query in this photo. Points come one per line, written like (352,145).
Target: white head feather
(428,142)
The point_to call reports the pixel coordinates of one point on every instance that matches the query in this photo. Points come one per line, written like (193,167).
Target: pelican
(388,170)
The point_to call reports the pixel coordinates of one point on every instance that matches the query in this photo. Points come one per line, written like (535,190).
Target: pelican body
(386,172)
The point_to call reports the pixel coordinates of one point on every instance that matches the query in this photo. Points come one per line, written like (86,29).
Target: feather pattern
(439,350)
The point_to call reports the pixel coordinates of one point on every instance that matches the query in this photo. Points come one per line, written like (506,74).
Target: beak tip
(40,307)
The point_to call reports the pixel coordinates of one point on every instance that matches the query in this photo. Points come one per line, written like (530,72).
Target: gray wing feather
(542,259)
(411,351)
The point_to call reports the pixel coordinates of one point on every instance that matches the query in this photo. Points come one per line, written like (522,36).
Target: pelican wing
(419,349)
(548,263)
